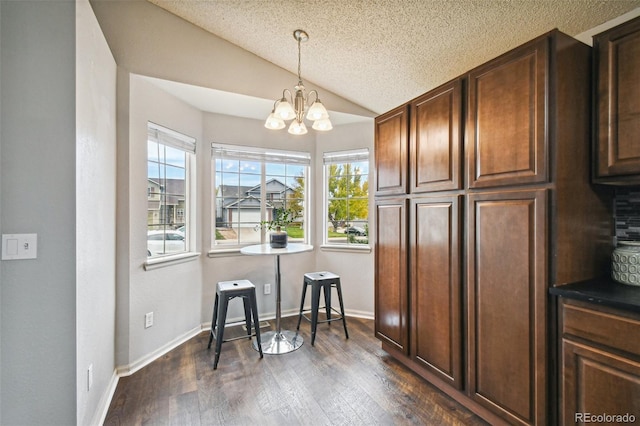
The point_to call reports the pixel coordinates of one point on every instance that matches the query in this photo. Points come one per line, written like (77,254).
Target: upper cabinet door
(617,55)
(436,139)
(391,152)
(506,128)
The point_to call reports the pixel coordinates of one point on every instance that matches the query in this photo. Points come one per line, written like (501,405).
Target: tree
(295,199)
(348,195)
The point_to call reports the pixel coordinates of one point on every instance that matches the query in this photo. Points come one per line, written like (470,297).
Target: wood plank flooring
(335,382)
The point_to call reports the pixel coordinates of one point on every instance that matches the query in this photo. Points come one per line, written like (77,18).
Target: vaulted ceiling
(382,53)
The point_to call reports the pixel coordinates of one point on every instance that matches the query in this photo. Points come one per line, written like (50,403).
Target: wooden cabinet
(391,147)
(600,362)
(525,217)
(617,58)
(436,139)
(391,286)
(436,286)
(506,128)
(506,305)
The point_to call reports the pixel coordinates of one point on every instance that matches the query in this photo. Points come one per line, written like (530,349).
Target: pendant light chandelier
(284,111)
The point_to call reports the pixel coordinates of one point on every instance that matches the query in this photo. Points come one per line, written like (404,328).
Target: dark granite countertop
(602,291)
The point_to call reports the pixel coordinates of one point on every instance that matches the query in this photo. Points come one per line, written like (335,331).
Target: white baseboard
(103,406)
(127,370)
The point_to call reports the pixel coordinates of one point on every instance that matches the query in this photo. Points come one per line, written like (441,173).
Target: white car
(165,242)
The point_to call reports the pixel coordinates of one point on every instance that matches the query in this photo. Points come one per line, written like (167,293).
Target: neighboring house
(241,204)
(165,204)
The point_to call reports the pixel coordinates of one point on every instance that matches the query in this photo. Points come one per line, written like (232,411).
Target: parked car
(165,242)
(355,230)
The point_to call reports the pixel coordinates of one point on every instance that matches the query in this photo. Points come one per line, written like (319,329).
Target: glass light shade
(317,111)
(284,110)
(274,122)
(297,128)
(322,125)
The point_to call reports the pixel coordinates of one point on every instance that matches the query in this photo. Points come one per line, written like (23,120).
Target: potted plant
(277,225)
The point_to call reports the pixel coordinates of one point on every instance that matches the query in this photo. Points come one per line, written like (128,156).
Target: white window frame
(262,155)
(341,157)
(171,138)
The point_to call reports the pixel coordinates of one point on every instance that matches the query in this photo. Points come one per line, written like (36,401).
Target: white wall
(355,268)
(38,195)
(257,269)
(95,215)
(173,292)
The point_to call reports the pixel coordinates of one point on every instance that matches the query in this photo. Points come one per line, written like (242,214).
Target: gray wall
(37,173)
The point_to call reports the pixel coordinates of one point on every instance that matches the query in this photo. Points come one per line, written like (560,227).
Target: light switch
(19,246)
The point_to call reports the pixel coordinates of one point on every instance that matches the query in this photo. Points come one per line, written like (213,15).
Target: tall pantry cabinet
(482,203)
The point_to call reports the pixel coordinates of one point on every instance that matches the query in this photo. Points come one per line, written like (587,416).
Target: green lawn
(295,232)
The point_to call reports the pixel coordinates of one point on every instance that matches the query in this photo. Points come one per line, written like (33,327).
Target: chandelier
(283,110)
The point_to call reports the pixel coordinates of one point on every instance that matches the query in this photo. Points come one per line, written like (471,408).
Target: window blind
(236,152)
(341,157)
(159,134)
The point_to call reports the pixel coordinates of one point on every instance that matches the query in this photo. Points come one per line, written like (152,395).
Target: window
(251,185)
(346,198)
(170,171)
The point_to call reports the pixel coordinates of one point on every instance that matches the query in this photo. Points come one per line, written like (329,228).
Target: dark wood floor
(335,382)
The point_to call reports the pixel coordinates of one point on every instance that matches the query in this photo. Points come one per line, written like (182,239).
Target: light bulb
(297,128)
(317,111)
(284,110)
(274,122)
(322,125)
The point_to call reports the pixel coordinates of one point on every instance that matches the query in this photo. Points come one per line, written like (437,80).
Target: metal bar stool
(225,291)
(325,281)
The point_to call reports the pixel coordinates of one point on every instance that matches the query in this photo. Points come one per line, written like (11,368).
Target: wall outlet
(267,289)
(89,377)
(148,319)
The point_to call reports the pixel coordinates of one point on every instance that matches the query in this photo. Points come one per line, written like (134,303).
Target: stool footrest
(308,311)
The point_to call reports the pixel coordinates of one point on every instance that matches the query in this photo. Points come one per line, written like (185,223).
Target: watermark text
(604,418)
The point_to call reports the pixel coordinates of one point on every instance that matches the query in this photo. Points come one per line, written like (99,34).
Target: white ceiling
(381,53)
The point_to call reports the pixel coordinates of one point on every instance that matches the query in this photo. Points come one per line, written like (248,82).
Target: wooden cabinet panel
(598,382)
(391,292)
(618,91)
(506,128)
(602,328)
(436,297)
(391,147)
(435,139)
(507,303)
(600,362)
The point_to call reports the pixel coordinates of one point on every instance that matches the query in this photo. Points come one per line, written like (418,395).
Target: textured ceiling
(382,53)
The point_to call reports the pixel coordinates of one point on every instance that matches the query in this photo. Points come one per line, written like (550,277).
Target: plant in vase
(281,218)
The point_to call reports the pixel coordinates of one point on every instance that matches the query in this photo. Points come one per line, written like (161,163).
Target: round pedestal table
(279,341)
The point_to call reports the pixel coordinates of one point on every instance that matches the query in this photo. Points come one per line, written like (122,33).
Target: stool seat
(324,281)
(321,276)
(225,291)
(224,286)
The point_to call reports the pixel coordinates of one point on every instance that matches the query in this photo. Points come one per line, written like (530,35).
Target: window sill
(161,262)
(224,252)
(347,248)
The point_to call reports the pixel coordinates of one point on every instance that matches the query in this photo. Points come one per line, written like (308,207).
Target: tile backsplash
(626,212)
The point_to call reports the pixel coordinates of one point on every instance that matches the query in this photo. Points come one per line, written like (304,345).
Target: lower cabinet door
(598,387)
(436,296)
(391,286)
(507,304)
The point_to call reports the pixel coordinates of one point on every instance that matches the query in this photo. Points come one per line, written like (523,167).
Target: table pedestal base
(275,343)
